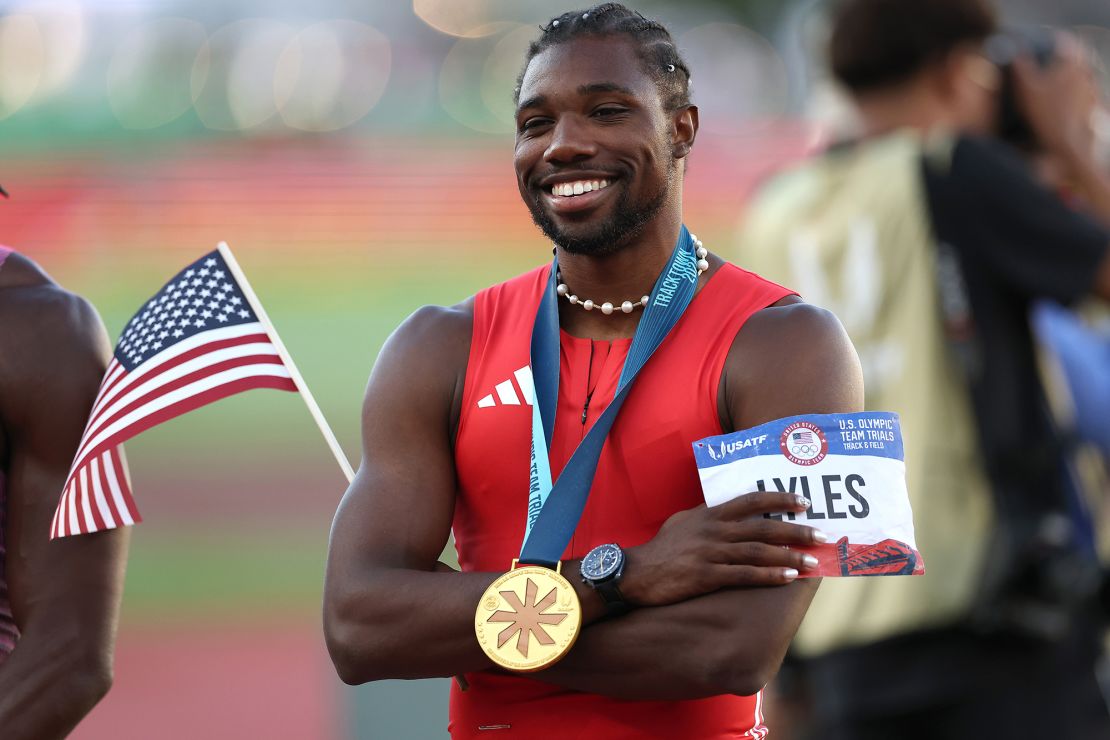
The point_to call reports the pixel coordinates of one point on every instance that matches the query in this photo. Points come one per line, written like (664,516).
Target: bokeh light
(22,58)
(500,72)
(470,19)
(61,30)
(477,77)
(233,77)
(150,75)
(331,74)
(741,74)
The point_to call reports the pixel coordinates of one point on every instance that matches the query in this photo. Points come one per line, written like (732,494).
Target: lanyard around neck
(555,508)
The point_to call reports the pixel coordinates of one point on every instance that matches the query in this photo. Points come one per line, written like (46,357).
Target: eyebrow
(603,87)
(591,89)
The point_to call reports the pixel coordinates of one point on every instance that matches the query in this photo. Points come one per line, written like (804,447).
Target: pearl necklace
(627,306)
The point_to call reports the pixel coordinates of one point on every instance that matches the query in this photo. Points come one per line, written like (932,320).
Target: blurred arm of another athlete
(65,593)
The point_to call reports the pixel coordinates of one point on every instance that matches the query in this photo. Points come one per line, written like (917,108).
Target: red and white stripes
(190,374)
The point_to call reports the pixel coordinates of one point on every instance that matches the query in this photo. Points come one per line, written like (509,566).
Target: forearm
(48,686)
(706,646)
(397,623)
(403,623)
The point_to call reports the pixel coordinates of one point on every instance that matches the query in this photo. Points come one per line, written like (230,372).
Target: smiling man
(681,613)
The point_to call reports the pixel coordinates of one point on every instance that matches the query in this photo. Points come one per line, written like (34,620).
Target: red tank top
(645,474)
(8,630)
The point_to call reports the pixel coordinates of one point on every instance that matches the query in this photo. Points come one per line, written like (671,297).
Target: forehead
(560,70)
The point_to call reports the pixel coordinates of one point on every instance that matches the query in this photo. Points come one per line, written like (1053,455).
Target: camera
(1003,49)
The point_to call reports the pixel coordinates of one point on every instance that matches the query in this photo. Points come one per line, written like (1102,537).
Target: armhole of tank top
(768,294)
(4,252)
(479,333)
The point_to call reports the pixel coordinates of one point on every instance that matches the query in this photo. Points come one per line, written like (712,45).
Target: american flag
(196,341)
(804,437)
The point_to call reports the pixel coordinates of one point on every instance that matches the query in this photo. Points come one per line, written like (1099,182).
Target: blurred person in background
(59,600)
(931,238)
(604,127)
(1076,342)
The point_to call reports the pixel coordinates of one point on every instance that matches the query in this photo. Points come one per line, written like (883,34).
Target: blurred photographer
(931,237)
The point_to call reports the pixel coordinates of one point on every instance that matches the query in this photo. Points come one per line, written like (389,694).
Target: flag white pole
(298,380)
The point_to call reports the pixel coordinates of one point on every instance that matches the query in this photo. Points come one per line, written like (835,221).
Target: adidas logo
(506,393)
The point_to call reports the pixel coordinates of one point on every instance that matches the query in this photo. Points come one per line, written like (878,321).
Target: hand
(704,549)
(1058,101)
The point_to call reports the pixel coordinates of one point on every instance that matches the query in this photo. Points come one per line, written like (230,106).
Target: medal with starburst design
(537,607)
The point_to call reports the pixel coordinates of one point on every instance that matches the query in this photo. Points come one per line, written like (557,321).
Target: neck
(625,275)
(911,106)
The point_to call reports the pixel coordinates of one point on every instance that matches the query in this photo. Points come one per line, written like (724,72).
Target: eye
(609,111)
(532,124)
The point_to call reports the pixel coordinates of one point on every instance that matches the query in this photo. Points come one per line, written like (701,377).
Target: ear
(964,65)
(684,129)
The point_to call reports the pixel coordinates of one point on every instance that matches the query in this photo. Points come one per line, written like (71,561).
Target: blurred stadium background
(357,157)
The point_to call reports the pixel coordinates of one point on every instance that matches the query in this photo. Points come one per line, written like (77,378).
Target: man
(604,125)
(59,600)
(932,246)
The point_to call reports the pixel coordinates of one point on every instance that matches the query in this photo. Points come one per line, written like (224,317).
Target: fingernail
(802,501)
(819,536)
(790,574)
(810,561)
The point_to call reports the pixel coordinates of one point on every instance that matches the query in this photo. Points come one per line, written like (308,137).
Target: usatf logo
(804,443)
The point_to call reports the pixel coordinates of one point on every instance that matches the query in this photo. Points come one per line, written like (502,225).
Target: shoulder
(421,370)
(40,316)
(434,328)
(53,346)
(737,278)
(973,160)
(429,349)
(793,328)
(791,358)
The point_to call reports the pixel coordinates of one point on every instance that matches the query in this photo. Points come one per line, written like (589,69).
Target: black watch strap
(610,592)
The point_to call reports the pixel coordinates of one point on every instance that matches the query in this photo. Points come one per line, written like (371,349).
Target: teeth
(566,189)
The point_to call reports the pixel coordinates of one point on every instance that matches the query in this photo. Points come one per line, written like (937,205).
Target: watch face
(602,562)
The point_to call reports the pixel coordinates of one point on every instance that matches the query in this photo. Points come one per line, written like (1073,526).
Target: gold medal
(528,618)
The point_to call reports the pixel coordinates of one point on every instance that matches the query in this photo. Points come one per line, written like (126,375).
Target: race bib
(850,466)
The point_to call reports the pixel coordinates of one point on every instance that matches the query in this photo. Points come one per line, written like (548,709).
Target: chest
(646,470)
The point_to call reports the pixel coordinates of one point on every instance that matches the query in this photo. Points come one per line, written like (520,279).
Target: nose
(570,142)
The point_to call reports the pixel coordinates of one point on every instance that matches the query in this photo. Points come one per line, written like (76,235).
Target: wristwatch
(602,569)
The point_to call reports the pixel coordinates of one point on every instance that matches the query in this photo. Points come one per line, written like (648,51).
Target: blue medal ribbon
(554,509)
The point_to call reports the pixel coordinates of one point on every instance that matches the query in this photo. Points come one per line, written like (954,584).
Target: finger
(773,531)
(750,575)
(762,502)
(767,556)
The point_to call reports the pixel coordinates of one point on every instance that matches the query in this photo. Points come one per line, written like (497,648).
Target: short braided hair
(654,46)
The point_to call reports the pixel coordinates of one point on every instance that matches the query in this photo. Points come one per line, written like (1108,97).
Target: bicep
(792,359)
(788,360)
(397,512)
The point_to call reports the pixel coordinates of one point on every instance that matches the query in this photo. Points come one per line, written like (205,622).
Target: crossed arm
(65,593)
(712,586)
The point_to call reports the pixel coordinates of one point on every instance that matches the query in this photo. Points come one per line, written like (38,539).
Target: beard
(609,235)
